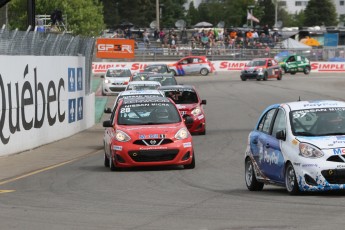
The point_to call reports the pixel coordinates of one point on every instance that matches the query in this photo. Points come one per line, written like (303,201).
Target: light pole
(157,14)
(276,13)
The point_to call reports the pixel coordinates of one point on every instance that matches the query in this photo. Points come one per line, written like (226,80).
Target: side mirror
(188,119)
(203,102)
(281,135)
(107,110)
(107,124)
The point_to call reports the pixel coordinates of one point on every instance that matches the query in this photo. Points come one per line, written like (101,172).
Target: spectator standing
(205,41)
(266,30)
(184,37)
(146,38)
(161,35)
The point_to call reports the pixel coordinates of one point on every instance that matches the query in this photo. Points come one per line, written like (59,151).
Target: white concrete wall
(42,99)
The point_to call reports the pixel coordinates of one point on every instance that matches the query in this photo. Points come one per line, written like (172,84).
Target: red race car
(147,132)
(262,68)
(189,104)
(192,65)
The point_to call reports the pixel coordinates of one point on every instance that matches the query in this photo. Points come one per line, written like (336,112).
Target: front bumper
(113,89)
(254,75)
(132,155)
(199,124)
(320,177)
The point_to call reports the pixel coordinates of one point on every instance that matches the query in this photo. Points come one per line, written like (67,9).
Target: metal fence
(14,42)
(215,54)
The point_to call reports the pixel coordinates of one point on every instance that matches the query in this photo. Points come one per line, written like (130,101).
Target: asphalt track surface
(64,185)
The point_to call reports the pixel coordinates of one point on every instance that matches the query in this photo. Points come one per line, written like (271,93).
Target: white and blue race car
(299,145)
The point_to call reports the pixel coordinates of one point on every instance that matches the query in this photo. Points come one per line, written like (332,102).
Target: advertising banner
(114,48)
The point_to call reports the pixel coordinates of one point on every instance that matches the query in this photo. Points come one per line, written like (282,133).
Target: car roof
(160,75)
(144,83)
(315,104)
(262,59)
(118,68)
(139,92)
(127,101)
(176,87)
(156,64)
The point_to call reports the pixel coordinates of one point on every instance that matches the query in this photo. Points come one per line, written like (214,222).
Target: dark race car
(261,68)
(189,104)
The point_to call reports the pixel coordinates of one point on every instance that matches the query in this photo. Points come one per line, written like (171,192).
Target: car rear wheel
(306,70)
(243,78)
(191,165)
(173,72)
(204,71)
(265,76)
(280,76)
(293,73)
(291,180)
(251,182)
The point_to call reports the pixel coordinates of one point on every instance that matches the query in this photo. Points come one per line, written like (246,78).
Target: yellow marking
(6,191)
(294,141)
(45,169)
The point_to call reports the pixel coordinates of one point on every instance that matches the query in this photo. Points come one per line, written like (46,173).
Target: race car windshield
(142,87)
(182,97)
(318,122)
(152,113)
(163,80)
(256,63)
(119,73)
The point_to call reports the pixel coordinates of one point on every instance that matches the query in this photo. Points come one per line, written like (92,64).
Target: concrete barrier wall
(43,100)
(99,68)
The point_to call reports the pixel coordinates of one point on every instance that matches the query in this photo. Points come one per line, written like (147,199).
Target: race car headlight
(196,111)
(259,70)
(122,136)
(182,134)
(106,81)
(309,151)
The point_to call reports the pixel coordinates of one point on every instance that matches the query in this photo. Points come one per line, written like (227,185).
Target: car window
(266,121)
(187,96)
(291,59)
(148,114)
(298,58)
(279,122)
(119,73)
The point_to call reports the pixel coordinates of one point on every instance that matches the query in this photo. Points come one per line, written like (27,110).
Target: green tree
(192,14)
(268,15)
(320,12)
(84,17)
(173,10)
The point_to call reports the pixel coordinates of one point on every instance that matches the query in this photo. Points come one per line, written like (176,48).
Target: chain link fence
(15,42)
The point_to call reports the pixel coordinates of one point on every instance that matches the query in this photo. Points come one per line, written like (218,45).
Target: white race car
(299,145)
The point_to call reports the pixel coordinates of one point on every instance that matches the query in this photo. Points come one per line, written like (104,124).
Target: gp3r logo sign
(115,48)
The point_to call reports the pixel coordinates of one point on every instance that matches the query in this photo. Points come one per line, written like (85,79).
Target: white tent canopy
(292,44)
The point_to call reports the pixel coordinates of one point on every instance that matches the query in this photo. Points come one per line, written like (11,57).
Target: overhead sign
(115,48)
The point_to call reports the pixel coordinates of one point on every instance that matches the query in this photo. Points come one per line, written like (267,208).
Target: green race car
(294,63)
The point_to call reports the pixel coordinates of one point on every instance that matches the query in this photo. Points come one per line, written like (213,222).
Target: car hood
(118,79)
(152,131)
(186,107)
(325,142)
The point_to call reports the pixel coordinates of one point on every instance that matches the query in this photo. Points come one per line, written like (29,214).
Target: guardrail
(14,42)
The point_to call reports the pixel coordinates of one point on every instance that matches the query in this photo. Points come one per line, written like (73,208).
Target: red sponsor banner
(101,67)
(114,48)
(327,67)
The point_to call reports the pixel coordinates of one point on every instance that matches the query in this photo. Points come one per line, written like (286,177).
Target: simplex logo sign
(37,100)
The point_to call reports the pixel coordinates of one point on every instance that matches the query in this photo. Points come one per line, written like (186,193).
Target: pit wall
(43,100)
(99,68)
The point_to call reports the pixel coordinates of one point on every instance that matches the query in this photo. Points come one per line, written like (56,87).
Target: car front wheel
(243,78)
(112,165)
(306,70)
(280,76)
(204,71)
(251,182)
(291,180)
(191,165)
(106,159)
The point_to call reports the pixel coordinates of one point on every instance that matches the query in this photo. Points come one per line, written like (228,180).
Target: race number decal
(125,110)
